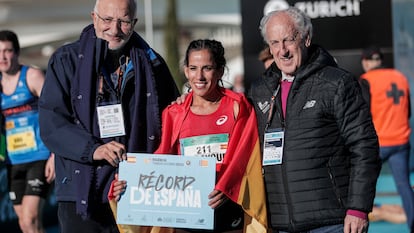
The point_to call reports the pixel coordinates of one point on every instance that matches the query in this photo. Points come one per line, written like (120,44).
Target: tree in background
(171,44)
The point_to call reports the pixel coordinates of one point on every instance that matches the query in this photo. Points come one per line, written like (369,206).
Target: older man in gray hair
(103,97)
(320,148)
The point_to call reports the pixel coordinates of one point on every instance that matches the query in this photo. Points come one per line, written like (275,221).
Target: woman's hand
(217,198)
(119,187)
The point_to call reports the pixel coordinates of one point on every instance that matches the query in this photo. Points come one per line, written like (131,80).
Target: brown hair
(7,35)
(265,54)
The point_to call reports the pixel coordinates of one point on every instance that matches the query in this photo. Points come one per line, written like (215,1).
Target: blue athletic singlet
(22,124)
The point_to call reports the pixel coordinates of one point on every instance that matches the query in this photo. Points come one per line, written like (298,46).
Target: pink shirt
(285,91)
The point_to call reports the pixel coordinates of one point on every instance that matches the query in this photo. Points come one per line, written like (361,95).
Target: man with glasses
(102,97)
(320,149)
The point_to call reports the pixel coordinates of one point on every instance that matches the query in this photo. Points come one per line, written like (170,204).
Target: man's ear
(93,16)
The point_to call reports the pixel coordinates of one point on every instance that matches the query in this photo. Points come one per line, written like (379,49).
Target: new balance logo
(264,107)
(309,104)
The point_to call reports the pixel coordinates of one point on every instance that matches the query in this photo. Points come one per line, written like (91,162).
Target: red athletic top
(220,121)
(389,93)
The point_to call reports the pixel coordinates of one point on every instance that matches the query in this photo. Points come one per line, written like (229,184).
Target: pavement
(387,194)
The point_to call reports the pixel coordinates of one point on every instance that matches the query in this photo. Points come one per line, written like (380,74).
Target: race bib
(20,136)
(214,145)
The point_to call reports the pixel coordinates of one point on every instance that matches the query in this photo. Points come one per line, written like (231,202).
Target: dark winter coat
(330,154)
(68,120)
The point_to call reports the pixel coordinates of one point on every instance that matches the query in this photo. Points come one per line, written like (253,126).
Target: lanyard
(117,77)
(121,70)
(272,105)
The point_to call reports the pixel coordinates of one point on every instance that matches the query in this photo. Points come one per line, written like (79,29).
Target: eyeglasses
(288,41)
(121,22)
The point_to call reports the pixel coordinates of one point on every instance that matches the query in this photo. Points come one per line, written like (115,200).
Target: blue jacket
(68,121)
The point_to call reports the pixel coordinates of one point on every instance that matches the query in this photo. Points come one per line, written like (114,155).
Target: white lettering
(157,201)
(196,199)
(134,193)
(320,9)
(164,195)
(188,198)
(172,195)
(325,9)
(181,199)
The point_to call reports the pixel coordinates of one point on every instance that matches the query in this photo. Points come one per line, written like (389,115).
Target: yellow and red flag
(242,180)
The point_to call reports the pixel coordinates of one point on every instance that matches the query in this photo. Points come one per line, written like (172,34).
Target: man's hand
(354,224)
(180,99)
(50,169)
(113,152)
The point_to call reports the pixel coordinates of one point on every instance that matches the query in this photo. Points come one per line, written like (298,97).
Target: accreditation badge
(111,120)
(273,147)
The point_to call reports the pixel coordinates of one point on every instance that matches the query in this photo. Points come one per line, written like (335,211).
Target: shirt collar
(288,78)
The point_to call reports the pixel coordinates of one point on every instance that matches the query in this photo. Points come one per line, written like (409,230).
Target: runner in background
(30,165)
